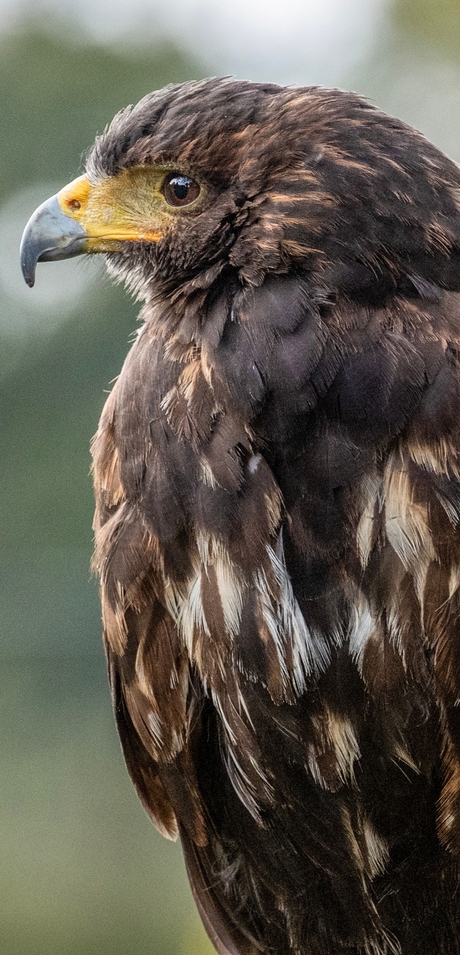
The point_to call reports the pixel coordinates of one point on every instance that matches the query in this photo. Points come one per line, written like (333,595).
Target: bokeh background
(81,868)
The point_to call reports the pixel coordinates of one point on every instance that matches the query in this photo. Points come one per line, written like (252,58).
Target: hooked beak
(83,218)
(50,235)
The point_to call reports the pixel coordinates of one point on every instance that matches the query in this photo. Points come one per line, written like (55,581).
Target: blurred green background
(81,868)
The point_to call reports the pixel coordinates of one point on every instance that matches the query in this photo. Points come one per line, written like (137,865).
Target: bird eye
(180,190)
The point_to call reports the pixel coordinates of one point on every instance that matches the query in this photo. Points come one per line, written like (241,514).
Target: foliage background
(81,868)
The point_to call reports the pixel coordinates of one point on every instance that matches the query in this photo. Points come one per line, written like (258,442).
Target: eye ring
(180,190)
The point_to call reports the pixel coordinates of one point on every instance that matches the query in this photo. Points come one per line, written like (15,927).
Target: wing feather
(278,544)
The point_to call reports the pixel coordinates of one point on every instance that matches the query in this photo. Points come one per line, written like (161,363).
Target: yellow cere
(129,206)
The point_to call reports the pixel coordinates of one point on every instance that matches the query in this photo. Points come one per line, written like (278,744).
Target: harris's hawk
(277,526)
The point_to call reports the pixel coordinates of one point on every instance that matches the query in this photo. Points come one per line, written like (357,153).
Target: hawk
(277,529)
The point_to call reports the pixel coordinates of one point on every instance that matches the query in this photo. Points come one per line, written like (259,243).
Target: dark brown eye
(180,190)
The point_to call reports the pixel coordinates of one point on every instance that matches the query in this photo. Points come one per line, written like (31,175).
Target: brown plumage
(277,507)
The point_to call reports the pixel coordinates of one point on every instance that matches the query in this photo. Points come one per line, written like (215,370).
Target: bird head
(227,176)
(168,185)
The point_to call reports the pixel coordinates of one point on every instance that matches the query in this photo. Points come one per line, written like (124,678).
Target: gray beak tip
(48,236)
(27,262)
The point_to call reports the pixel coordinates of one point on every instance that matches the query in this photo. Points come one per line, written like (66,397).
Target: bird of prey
(277,527)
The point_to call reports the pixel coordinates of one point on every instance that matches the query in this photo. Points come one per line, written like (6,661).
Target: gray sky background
(288,41)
